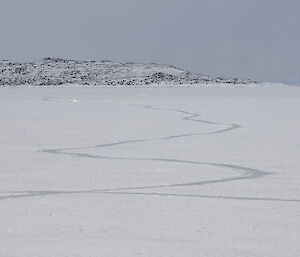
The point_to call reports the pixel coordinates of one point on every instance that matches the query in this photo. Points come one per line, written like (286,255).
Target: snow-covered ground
(208,171)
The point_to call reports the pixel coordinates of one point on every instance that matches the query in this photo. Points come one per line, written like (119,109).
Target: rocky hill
(55,71)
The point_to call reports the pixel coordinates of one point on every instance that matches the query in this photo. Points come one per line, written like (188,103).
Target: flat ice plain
(208,171)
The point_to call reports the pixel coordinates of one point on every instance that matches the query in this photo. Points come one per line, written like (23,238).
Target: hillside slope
(55,71)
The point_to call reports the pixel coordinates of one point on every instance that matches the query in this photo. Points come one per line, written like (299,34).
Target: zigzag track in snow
(245,173)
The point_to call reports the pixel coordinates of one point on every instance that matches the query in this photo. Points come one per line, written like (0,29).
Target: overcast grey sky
(256,39)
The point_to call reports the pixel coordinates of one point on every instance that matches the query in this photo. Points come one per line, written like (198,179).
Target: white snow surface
(208,171)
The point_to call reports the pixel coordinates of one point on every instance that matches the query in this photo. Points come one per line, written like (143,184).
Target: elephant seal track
(245,173)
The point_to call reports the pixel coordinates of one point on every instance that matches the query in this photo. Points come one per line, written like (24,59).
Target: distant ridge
(57,71)
(292,82)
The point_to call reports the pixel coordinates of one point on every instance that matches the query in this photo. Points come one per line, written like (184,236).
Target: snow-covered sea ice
(204,171)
